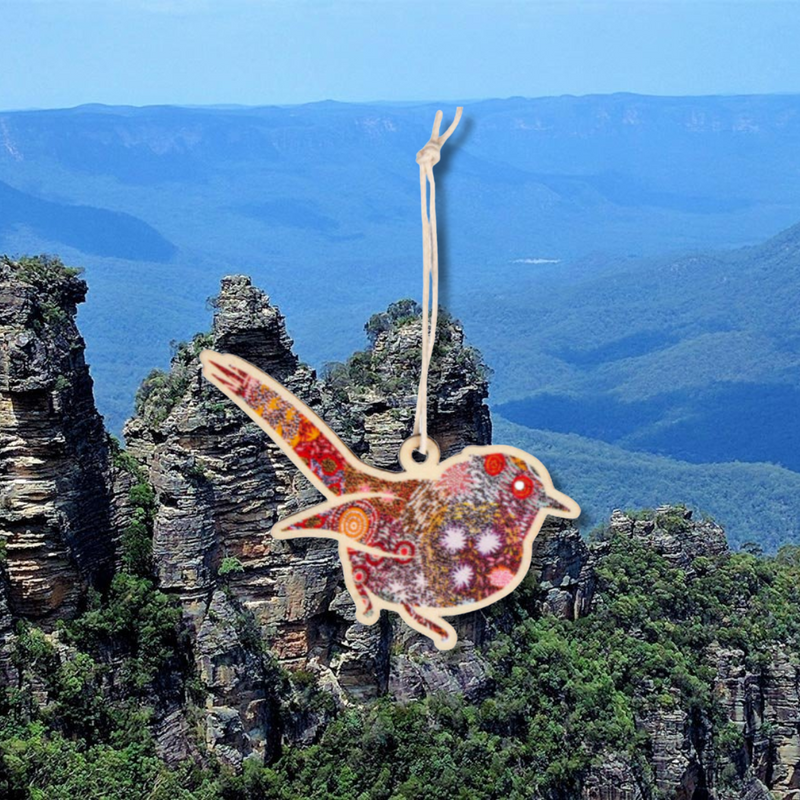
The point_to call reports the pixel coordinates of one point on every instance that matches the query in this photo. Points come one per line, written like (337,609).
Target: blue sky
(59,53)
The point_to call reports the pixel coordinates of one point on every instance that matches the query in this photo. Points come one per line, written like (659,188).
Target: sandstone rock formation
(221,484)
(562,564)
(55,472)
(372,397)
(765,707)
(762,704)
(274,646)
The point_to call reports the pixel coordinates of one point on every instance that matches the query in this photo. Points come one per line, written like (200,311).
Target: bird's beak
(560,505)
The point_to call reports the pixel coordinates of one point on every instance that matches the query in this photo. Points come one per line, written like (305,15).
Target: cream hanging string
(394,528)
(427,158)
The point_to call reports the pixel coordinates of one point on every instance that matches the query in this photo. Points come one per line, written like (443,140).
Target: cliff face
(55,475)
(274,647)
(764,706)
(372,397)
(761,703)
(220,485)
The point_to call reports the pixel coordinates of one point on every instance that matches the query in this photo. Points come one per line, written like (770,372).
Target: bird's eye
(522,487)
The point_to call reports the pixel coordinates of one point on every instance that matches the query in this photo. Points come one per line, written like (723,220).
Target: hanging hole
(412,460)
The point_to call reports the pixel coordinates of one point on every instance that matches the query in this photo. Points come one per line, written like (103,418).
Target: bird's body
(435,540)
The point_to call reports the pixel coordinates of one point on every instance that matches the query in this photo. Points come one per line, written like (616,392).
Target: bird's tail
(298,431)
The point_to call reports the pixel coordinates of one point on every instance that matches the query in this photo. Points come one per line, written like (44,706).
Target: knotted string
(427,158)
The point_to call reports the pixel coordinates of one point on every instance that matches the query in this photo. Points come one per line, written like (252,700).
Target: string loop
(427,158)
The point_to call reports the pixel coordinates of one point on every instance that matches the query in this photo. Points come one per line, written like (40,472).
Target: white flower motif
(488,542)
(399,590)
(454,538)
(462,576)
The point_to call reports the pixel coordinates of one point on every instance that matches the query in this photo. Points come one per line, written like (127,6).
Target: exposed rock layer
(762,704)
(253,604)
(55,474)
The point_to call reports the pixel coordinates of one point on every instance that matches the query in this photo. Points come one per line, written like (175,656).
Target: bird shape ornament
(435,540)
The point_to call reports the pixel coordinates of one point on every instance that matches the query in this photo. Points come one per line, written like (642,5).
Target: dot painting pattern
(425,547)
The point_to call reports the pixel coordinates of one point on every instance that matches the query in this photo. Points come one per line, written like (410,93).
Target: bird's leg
(440,632)
(366,613)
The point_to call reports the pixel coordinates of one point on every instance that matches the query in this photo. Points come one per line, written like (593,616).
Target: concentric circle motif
(494,464)
(360,574)
(354,523)
(405,552)
(522,487)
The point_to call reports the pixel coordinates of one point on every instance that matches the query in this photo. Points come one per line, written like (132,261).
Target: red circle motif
(405,551)
(360,574)
(494,464)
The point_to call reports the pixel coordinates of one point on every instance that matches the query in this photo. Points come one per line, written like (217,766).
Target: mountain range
(628,265)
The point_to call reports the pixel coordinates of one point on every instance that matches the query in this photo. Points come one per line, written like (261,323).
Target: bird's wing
(310,444)
(353,520)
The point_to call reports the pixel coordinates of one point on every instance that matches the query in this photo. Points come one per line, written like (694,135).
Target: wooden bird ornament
(433,541)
